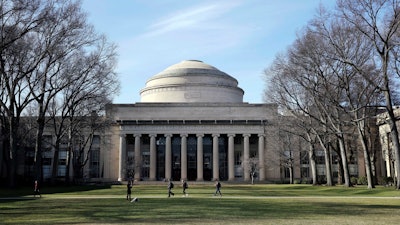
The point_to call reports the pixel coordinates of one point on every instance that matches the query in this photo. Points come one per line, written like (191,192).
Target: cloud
(198,17)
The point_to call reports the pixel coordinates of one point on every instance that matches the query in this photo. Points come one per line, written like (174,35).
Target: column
(215,157)
(122,156)
(184,156)
(246,156)
(168,156)
(386,152)
(200,163)
(261,156)
(138,157)
(153,157)
(231,157)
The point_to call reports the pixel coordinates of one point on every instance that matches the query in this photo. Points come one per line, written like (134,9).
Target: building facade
(191,124)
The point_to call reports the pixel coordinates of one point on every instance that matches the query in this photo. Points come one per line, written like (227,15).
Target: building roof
(192,81)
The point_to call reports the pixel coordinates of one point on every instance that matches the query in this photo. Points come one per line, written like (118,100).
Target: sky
(238,37)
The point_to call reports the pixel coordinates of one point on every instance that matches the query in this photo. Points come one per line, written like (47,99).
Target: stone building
(191,124)
(388,154)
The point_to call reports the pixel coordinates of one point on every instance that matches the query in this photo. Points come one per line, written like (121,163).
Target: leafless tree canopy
(52,61)
(336,74)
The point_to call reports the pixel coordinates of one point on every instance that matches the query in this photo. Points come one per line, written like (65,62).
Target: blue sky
(239,37)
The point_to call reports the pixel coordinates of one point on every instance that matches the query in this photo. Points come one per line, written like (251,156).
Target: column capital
(137,135)
(123,135)
(167,135)
(246,135)
(152,135)
(231,135)
(261,135)
(184,135)
(199,135)
(215,135)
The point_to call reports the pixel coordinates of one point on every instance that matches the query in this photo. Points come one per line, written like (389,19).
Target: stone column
(261,156)
(215,157)
(122,156)
(200,163)
(168,156)
(153,157)
(184,156)
(138,157)
(231,157)
(386,152)
(246,156)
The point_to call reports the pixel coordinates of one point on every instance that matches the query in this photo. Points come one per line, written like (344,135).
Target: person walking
(170,186)
(217,188)
(129,190)
(184,187)
(36,190)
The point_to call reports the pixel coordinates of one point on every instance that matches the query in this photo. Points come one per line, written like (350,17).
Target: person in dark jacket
(184,187)
(217,188)
(129,190)
(170,186)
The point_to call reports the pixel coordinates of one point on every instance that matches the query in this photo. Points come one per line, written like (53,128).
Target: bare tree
(65,35)
(87,96)
(43,48)
(294,86)
(252,165)
(20,19)
(379,22)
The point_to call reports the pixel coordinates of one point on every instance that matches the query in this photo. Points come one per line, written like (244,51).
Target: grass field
(240,204)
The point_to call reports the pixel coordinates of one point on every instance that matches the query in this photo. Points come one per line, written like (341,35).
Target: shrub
(353,180)
(362,180)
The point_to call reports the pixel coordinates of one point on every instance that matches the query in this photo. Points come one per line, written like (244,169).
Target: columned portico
(219,160)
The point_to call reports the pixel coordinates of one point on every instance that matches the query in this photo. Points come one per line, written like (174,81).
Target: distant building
(388,155)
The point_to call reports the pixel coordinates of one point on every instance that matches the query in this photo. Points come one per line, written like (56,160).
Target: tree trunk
(328,163)
(291,174)
(313,164)
(367,159)
(54,171)
(39,142)
(345,164)
(12,171)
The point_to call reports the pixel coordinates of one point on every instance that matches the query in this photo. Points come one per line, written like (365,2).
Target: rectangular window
(238,158)
(304,159)
(94,163)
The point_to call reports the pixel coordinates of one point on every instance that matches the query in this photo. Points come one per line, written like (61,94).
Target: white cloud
(198,17)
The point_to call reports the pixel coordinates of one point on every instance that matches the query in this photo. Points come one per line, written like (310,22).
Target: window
(94,163)
(304,159)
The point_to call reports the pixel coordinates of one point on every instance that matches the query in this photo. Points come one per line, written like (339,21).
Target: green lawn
(240,204)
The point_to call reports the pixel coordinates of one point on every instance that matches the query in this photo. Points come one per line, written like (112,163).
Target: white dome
(191,81)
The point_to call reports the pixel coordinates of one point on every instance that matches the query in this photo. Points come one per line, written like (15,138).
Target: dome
(192,81)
